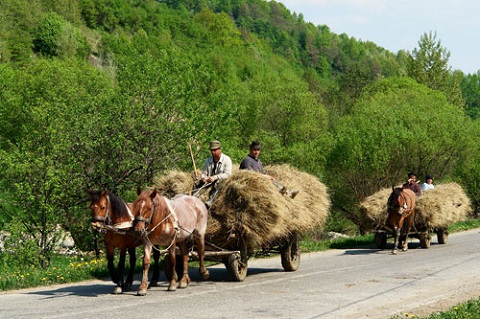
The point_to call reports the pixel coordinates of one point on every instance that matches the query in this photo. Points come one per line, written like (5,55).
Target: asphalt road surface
(351,283)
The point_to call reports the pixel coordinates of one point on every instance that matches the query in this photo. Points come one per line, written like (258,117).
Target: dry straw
(250,212)
(440,207)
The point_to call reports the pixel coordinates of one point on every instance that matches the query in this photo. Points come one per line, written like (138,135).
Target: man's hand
(210,179)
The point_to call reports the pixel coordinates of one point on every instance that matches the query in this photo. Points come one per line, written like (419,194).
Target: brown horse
(113,217)
(165,222)
(401,210)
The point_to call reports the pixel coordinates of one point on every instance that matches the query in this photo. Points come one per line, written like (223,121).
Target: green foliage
(396,127)
(429,66)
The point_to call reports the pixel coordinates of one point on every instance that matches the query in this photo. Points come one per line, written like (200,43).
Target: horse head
(397,202)
(100,207)
(143,210)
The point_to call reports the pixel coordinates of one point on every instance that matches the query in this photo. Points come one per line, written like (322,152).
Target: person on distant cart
(412,184)
(428,185)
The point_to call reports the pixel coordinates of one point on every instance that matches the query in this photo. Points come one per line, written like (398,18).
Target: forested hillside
(109,93)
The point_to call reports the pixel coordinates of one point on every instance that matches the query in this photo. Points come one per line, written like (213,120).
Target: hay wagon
(422,231)
(250,217)
(435,211)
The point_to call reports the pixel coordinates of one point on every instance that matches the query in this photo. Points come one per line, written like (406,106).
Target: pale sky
(398,24)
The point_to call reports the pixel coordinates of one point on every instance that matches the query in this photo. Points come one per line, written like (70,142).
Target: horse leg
(156,267)
(173,282)
(120,267)
(132,259)
(200,241)
(185,279)
(396,235)
(147,249)
(111,268)
(408,225)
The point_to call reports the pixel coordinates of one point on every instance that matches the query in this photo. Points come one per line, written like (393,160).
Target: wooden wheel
(237,266)
(442,236)
(381,240)
(290,253)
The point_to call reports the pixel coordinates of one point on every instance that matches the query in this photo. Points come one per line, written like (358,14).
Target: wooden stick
(193,161)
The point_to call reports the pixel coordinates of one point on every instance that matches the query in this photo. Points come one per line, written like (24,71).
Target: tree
(428,65)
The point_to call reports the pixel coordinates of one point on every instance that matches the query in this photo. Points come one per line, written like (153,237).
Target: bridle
(106,220)
(399,209)
(147,221)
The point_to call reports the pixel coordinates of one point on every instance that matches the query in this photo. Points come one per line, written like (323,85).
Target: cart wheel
(381,240)
(290,253)
(425,240)
(168,268)
(442,236)
(237,267)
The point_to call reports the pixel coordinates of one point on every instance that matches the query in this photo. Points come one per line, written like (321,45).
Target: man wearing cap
(218,166)
(412,184)
(251,161)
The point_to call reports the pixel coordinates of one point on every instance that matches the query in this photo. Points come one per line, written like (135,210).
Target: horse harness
(176,225)
(400,209)
(107,221)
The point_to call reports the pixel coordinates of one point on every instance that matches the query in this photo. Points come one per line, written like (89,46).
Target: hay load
(437,208)
(442,206)
(251,207)
(174,182)
(313,199)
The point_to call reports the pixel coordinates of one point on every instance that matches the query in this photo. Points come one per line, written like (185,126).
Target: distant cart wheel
(381,240)
(237,267)
(290,253)
(425,240)
(442,236)
(168,267)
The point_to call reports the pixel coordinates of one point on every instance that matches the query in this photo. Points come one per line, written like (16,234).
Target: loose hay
(440,207)
(174,182)
(444,205)
(249,210)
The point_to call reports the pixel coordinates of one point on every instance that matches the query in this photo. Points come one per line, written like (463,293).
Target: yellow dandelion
(43,279)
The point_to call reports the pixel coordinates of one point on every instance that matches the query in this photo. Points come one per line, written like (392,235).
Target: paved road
(352,283)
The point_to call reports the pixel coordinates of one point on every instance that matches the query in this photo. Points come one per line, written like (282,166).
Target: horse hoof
(172,287)
(142,292)
(205,275)
(394,252)
(117,290)
(182,285)
(404,248)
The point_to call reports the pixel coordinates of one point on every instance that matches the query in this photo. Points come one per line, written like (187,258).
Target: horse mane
(118,206)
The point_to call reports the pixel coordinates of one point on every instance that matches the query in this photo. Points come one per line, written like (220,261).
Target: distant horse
(113,217)
(165,222)
(401,210)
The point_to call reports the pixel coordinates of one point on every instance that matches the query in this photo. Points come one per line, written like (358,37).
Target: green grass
(62,269)
(466,310)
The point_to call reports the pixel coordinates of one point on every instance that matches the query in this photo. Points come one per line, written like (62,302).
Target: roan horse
(165,222)
(113,217)
(401,211)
